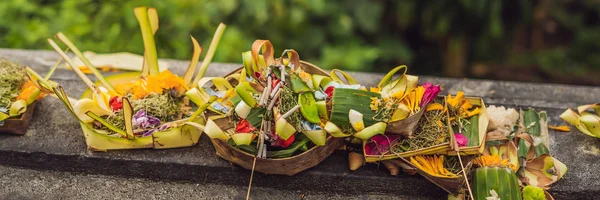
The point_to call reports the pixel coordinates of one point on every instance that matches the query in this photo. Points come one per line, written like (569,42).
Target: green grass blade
(89,83)
(85,61)
(211,52)
(189,73)
(53,68)
(151,57)
(105,123)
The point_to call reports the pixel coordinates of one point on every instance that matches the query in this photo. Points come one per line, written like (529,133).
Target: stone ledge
(59,144)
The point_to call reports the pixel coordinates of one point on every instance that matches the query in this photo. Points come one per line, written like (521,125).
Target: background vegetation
(526,40)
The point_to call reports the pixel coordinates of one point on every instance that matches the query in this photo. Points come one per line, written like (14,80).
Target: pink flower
(379,144)
(461,139)
(431,91)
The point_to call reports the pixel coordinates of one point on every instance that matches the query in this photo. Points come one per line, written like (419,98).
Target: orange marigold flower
(153,84)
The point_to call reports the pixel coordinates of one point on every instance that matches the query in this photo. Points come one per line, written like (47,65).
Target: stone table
(58,144)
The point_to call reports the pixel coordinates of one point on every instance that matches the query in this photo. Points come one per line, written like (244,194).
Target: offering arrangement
(133,110)
(17,97)
(270,114)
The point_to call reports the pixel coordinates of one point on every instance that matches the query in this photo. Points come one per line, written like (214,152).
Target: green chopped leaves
(308,107)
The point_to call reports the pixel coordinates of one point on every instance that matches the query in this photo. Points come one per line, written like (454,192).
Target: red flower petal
(115,103)
(288,142)
(329,91)
(244,127)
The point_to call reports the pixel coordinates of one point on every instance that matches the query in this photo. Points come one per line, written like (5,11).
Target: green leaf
(308,107)
(151,57)
(346,99)
(301,140)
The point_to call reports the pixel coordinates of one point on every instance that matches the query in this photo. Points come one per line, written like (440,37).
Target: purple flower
(142,120)
(431,91)
(148,132)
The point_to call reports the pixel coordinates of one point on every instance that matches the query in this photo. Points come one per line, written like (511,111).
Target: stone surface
(25,184)
(59,144)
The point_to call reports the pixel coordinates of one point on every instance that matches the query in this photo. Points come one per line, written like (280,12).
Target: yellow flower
(457,100)
(375,89)
(434,106)
(374,104)
(359,126)
(493,161)
(474,112)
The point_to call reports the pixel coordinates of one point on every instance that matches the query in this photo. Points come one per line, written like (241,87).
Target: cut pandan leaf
(571,117)
(356,120)
(401,113)
(102,98)
(388,77)
(242,109)
(62,96)
(335,77)
(322,108)
(249,63)
(533,193)
(97,140)
(128,118)
(153,17)
(201,108)
(284,129)
(334,130)
(499,179)
(105,123)
(396,88)
(189,73)
(84,105)
(544,171)
(267,58)
(198,96)
(214,131)
(248,87)
(85,61)
(592,123)
(583,108)
(320,81)
(17,108)
(243,138)
(318,137)
(298,86)
(346,99)
(151,57)
(214,43)
(3,116)
(308,107)
(40,82)
(183,136)
(378,128)
(291,58)
(89,83)
(241,91)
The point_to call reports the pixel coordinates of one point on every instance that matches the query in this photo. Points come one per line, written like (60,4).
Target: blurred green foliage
(364,35)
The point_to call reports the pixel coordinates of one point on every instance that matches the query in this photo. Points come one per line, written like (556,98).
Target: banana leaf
(344,100)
